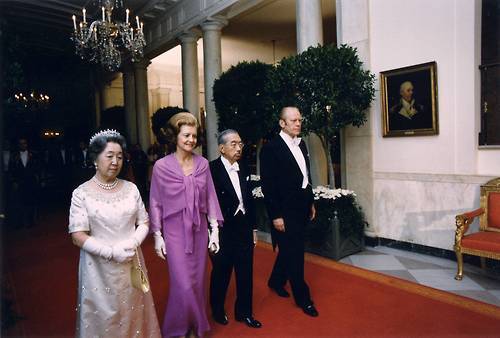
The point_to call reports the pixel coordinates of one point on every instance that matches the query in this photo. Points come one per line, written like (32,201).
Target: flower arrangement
(340,203)
(257,190)
(327,193)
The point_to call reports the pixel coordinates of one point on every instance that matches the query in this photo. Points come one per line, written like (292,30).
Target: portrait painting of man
(409,101)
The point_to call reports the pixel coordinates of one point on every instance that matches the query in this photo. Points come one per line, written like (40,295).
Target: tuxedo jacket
(282,180)
(228,200)
(21,174)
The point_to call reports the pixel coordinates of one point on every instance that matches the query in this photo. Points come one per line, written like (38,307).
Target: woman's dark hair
(99,143)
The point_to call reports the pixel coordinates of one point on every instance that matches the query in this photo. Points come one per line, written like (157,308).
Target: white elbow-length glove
(160,249)
(213,236)
(140,234)
(120,252)
(93,246)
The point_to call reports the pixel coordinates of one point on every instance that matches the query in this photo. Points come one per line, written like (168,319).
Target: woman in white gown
(103,217)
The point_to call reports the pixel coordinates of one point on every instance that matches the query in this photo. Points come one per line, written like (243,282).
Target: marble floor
(435,272)
(438,273)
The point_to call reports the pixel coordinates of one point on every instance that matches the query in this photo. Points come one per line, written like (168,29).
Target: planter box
(327,240)
(332,244)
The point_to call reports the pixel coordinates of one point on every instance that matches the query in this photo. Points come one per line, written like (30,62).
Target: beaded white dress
(108,305)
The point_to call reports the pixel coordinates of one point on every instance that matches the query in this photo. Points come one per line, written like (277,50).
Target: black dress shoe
(221,319)
(250,322)
(280,291)
(310,310)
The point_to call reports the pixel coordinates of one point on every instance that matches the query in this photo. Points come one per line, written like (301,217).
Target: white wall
(421,183)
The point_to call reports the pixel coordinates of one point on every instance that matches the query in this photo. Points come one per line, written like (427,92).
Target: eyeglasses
(234,144)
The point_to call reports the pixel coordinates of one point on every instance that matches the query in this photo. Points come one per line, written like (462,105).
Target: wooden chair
(486,242)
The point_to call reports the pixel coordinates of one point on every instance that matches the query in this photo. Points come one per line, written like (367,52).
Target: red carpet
(41,270)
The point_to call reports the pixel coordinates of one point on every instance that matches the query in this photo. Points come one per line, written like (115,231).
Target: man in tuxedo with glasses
(238,236)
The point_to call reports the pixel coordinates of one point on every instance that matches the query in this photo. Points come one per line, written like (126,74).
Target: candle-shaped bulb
(74,22)
(131,33)
(84,11)
(127,14)
(142,26)
(103,14)
(137,21)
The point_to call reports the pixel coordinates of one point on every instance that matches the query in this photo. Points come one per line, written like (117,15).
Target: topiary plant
(329,86)
(242,102)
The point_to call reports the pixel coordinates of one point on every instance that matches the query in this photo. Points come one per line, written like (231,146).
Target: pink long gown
(179,207)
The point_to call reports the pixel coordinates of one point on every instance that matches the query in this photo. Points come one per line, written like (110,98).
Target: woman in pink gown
(183,203)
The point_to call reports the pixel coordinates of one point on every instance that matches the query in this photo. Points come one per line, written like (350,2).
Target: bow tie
(234,167)
(296,141)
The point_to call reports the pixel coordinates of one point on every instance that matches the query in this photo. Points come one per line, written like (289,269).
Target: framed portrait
(409,101)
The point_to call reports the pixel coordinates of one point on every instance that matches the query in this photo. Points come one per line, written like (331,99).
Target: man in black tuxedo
(288,197)
(83,168)
(238,236)
(24,170)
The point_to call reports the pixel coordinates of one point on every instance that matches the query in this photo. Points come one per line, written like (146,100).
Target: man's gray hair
(221,138)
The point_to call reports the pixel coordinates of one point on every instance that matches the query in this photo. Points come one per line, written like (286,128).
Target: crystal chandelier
(104,41)
(32,100)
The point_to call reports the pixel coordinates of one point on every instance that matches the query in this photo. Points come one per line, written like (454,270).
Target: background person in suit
(239,234)
(289,202)
(83,169)
(24,170)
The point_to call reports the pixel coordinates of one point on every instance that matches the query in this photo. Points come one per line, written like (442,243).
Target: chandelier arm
(90,31)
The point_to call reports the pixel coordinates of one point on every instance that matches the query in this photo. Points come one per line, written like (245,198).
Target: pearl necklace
(106,186)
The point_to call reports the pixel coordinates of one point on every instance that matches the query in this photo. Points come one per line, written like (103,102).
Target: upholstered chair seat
(486,242)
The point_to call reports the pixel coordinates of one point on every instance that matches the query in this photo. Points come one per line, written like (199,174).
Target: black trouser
(289,264)
(236,251)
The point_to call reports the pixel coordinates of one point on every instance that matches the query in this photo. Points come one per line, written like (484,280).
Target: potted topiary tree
(332,90)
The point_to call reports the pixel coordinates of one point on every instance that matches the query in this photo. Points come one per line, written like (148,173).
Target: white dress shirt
(6,160)
(24,157)
(293,145)
(232,170)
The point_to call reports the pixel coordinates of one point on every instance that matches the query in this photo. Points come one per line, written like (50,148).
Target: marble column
(309,24)
(352,29)
(129,103)
(212,69)
(190,85)
(141,103)
(310,33)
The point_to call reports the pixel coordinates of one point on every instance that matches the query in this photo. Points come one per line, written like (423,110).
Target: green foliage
(242,102)
(321,77)
(351,218)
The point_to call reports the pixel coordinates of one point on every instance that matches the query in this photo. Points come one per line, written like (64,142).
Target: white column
(190,85)
(310,33)
(309,24)
(353,29)
(212,69)
(129,104)
(141,103)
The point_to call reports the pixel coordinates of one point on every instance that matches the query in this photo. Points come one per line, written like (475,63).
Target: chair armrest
(462,222)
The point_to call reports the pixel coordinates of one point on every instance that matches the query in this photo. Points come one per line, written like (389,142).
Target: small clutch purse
(138,276)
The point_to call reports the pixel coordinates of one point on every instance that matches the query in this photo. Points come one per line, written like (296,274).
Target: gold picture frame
(409,101)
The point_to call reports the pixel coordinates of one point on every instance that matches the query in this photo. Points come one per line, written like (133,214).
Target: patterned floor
(439,273)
